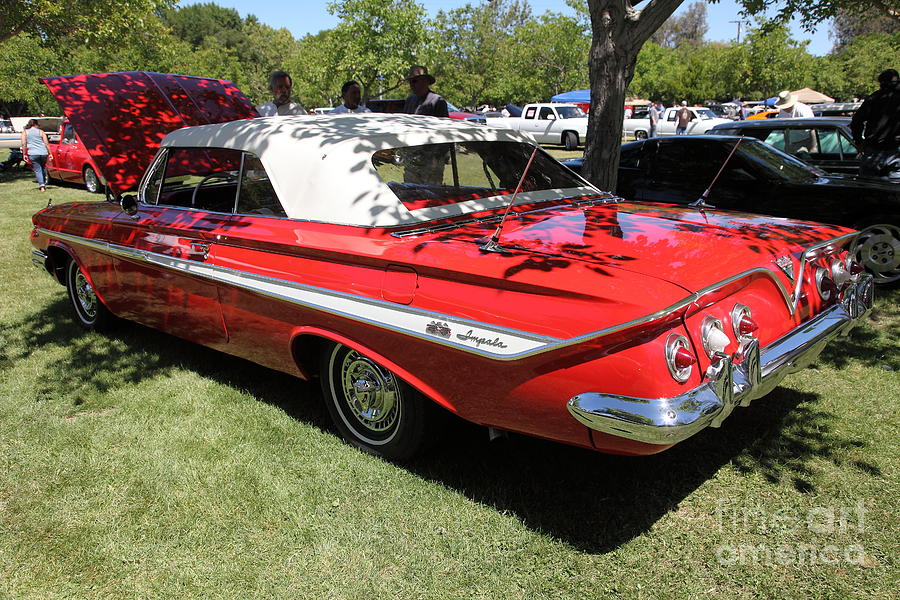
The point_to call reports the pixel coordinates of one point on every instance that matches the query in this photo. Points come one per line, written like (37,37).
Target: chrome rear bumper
(671,420)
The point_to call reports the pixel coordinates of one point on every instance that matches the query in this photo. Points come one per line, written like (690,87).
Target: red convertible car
(419,265)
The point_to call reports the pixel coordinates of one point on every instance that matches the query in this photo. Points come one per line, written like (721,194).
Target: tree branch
(647,20)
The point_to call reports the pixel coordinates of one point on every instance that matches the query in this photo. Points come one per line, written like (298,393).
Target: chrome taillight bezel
(673,343)
(707,330)
(840,273)
(823,277)
(737,314)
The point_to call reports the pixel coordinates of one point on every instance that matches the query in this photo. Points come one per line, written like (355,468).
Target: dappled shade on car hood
(122,117)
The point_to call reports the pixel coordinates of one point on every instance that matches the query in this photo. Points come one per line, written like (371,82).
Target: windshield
(570,112)
(440,174)
(777,164)
(453,108)
(706,114)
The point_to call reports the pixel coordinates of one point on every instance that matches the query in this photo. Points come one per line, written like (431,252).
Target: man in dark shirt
(876,129)
(684,117)
(422,101)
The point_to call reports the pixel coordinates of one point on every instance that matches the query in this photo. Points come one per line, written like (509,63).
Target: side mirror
(129,204)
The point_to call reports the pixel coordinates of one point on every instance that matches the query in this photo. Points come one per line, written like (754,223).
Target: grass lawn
(137,465)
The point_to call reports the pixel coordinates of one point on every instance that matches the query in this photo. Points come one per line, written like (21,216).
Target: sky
(312,17)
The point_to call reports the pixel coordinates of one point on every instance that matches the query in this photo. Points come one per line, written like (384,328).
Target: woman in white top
(36,149)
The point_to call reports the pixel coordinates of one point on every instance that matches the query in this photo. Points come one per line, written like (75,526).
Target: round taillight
(839,272)
(714,338)
(825,284)
(679,357)
(742,322)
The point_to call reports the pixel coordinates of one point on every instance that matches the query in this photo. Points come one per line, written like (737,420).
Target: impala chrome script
(480,341)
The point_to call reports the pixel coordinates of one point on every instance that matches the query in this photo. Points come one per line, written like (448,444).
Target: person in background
(280,84)
(653,114)
(876,129)
(36,148)
(683,118)
(422,101)
(351,94)
(790,108)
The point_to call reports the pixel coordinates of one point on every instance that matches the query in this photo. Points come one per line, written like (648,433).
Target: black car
(761,179)
(824,142)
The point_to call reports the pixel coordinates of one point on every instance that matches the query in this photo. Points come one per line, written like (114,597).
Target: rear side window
(775,138)
(257,196)
(439,174)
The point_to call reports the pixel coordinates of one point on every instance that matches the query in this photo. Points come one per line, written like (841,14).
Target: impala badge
(786,265)
(439,329)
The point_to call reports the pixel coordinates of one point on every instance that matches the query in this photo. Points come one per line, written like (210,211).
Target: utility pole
(739,22)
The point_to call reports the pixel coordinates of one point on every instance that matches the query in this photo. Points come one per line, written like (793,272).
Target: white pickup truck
(702,120)
(551,123)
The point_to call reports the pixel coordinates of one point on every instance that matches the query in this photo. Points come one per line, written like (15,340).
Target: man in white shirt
(790,108)
(351,93)
(280,84)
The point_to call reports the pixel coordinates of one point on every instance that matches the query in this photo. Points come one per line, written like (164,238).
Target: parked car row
(702,120)
(420,266)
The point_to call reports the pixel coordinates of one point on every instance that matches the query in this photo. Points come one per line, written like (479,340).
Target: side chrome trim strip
(483,339)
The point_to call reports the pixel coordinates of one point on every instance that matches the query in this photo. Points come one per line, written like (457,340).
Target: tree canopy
(486,52)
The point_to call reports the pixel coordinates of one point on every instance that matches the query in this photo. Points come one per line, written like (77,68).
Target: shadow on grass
(870,346)
(594,502)
(598,502)
(130,353)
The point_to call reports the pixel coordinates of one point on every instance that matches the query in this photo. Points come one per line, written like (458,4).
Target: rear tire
(570,140)
(373,409)
(89,311)
(91,181)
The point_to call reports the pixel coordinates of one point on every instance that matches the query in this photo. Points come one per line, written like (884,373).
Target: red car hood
(684,246)
(122,117)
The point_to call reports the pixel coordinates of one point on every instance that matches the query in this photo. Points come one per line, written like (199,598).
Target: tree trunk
(618,32)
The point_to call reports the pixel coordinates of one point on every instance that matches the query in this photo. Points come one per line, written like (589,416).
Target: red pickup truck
(71,161)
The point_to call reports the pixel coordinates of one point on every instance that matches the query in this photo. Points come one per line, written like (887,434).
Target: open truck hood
(122,117)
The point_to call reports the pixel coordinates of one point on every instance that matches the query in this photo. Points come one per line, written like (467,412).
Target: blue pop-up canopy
(573,96)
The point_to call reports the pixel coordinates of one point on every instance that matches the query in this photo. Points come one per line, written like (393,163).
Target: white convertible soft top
(321,166)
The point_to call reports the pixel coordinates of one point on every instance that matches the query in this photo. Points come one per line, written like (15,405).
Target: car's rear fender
(307,346)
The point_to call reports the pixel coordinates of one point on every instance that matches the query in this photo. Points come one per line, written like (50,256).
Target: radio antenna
(493,244)
(701,201)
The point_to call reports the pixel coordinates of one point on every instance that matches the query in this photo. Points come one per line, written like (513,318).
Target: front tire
(373,409)
(877,248)
(91,181)
(640,135)
(570,140)
(89,311)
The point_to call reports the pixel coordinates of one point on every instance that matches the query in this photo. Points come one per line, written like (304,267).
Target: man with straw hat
(790,107)
(422,101)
